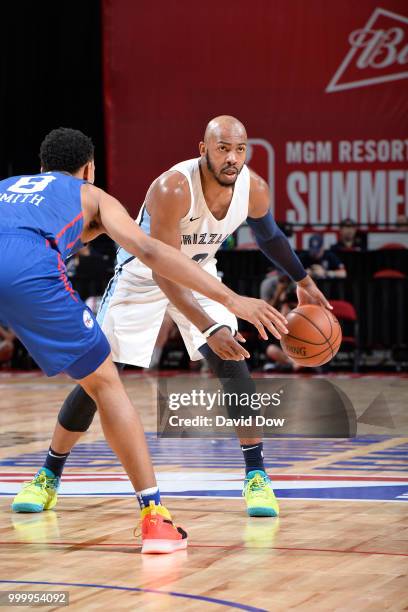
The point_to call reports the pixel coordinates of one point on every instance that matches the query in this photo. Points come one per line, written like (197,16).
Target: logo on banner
(261,158)
(378,53)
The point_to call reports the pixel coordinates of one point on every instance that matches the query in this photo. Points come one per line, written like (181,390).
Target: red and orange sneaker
(159,534)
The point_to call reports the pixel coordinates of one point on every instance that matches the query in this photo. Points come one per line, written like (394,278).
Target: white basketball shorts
(133,308)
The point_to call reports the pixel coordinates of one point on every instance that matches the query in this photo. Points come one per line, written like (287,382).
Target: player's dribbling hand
(260,314)
(223,343)
(308,293)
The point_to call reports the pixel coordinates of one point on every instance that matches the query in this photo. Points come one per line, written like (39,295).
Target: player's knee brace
(235,376)
(225,368)
(77,411)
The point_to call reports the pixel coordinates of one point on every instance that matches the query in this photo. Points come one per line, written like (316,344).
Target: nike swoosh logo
(194,218)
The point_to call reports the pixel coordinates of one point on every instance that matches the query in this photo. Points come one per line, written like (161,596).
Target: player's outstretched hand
(308,293)
(260,314)
(223,343)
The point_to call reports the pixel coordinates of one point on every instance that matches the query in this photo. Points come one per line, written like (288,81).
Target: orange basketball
(314,335)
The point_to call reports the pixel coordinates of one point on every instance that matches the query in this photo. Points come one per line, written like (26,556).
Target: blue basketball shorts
(38,302)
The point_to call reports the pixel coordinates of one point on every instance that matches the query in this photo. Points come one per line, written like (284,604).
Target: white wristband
(211,330)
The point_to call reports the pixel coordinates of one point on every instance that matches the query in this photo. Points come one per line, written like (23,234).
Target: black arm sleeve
(274,244)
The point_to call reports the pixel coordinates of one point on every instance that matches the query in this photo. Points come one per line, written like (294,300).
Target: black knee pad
(77,411)
(225,368)
(235,376)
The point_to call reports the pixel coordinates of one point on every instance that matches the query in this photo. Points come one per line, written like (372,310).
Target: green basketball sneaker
(259,496)
(39,494)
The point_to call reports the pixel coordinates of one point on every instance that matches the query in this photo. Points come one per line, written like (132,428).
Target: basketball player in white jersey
(194,206)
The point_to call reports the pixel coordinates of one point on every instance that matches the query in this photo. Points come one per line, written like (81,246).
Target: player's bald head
(224,149)
(225,128)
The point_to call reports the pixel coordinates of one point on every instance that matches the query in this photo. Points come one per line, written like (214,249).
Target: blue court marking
(375,469)
(213,600)
(375,493)
(357,494)
(208,454)
(393,459)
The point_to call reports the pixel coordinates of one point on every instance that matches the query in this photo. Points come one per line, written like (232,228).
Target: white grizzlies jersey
(133,306)
(201,233)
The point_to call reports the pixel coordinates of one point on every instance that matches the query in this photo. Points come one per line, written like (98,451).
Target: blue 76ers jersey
(41,222)
(48,204)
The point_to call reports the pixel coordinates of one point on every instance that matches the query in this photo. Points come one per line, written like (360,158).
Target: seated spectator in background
(281,287)
(402,223)
(73,262)
(350,239)
(278,360)
(93,302)
(320,263)
(268,289)
(87,271)
(6,343)
(284,300)
(168,329)
(274,279)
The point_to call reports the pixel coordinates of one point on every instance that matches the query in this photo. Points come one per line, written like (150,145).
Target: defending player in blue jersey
(43,219)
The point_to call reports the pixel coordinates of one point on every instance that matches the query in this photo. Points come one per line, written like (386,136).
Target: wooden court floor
(341,542)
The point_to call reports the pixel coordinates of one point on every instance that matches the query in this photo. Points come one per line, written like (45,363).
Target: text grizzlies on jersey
(203,238)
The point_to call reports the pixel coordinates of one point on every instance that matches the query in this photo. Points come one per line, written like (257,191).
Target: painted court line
(224,546)
(212,600)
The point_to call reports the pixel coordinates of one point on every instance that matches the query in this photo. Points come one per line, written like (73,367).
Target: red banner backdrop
(321,87)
